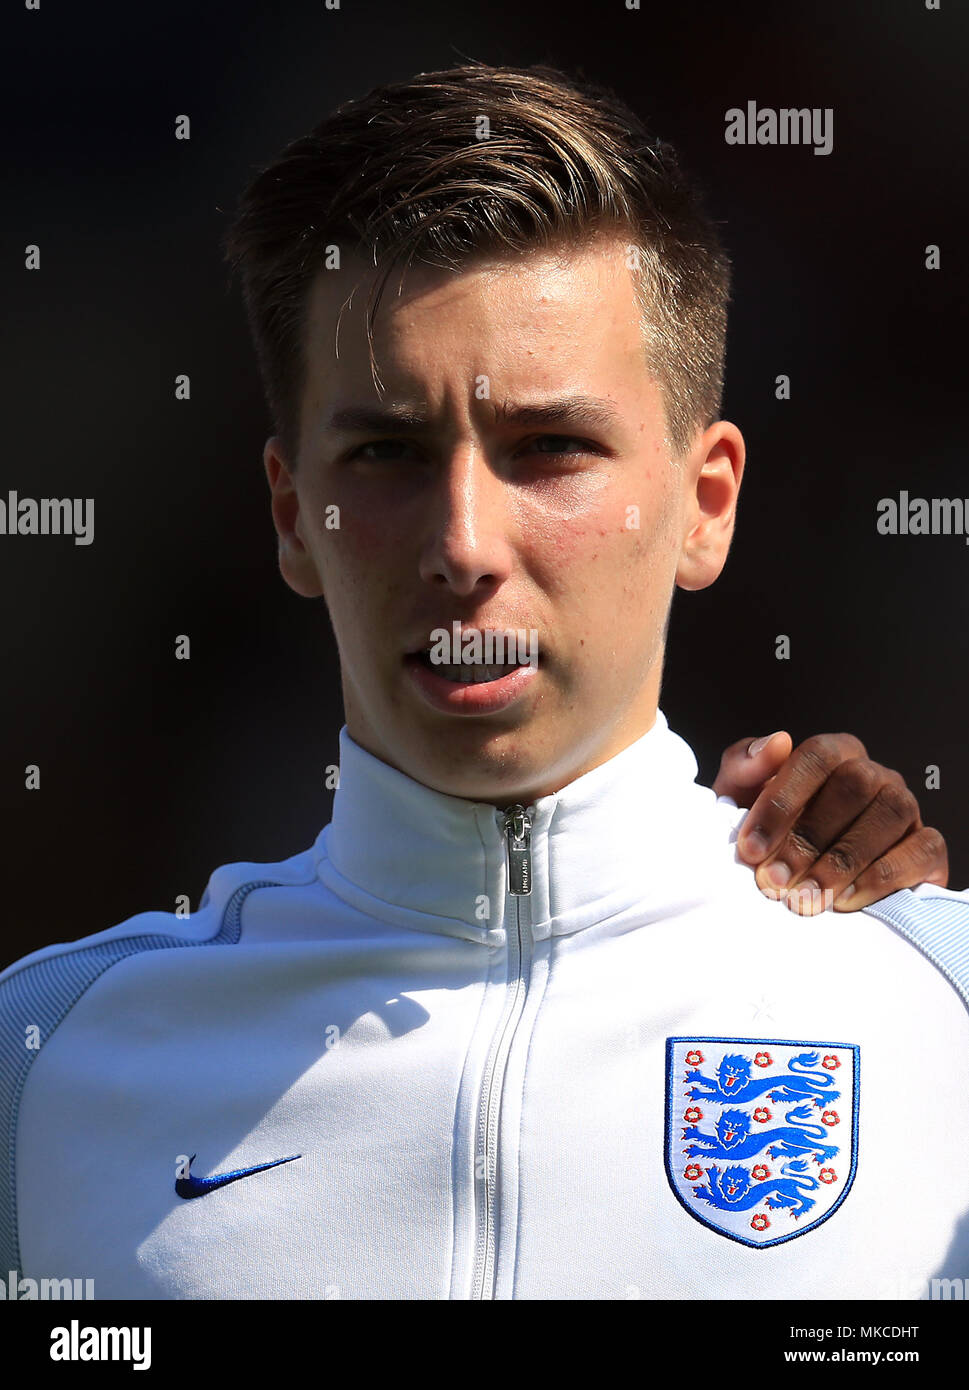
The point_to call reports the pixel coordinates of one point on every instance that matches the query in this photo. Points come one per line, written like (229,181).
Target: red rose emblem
(828,1175)
(831,1063)
(693,1115)
(762,1114)
(694,1058)
(693,1172)
(763,1059)
(831,1117)
(760,1172)
(760,1222)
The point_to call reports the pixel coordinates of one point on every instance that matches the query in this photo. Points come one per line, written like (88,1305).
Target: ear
(296,563)
(715,468)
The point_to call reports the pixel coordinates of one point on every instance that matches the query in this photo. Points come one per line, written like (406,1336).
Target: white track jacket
(449,1052)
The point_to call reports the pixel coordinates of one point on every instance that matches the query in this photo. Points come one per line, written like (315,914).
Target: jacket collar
(635,832)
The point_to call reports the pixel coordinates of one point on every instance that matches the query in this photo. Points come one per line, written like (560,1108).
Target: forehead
(554,317)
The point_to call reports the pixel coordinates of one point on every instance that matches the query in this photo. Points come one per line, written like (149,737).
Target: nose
(469,512)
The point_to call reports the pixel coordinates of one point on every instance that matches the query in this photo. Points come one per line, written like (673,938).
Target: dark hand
(847,829)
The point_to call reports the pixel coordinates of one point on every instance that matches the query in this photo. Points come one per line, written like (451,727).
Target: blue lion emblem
(733,1190)
(765,1154)
(734,1081)
(733,1138)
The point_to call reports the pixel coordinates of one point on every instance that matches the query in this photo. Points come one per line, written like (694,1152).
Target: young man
(520,1024)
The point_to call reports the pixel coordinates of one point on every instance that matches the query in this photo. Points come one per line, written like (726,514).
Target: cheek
(624,552)
(359,539)
(374,527)
(615,514)
(353,546)
(355,563)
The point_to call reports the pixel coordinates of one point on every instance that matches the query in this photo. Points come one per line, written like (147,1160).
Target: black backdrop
(154,771)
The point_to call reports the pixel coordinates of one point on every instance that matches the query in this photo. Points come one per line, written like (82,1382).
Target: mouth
(468,688)
(463,672)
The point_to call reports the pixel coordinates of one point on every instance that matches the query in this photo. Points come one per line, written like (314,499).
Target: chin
(478,764)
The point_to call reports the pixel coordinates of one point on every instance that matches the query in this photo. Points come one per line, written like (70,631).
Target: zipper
(517,827)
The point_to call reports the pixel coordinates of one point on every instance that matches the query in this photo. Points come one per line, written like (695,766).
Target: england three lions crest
(761,1134)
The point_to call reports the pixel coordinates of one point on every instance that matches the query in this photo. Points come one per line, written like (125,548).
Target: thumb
(747,765)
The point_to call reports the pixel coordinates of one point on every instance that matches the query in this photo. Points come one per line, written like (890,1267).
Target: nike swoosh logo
(200,1187)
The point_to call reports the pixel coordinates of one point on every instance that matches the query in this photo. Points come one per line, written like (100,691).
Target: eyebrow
(573,411)
(577,411)
(363,418)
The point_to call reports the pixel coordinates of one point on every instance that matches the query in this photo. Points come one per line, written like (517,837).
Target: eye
(381,450)
(558,443)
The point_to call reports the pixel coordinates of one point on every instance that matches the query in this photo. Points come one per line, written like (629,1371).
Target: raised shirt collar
(630,833)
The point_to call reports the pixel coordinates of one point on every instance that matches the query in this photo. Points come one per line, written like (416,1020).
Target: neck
(611,839)
(507,770)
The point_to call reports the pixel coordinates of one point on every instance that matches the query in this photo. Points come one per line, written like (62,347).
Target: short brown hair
(403,171)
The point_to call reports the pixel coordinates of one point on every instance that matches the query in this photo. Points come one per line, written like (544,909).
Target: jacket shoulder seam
(936,926)
(43,992)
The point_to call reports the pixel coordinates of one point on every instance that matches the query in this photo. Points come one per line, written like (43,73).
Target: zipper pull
(518,833)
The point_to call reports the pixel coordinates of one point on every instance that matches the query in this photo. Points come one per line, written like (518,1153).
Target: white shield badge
(761,1133)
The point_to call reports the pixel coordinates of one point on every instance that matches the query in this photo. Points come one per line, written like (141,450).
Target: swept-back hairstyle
(480,159)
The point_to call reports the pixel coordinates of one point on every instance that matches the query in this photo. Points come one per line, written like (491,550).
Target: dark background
(154,771)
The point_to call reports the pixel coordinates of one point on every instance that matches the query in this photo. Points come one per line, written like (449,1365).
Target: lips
(456,633)
(478,690)
(467,673)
